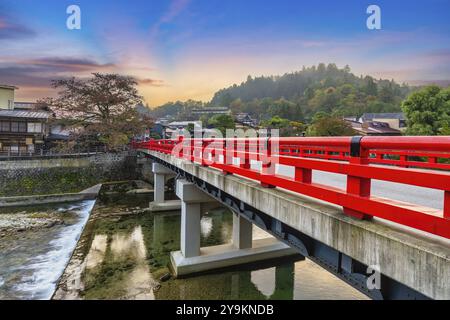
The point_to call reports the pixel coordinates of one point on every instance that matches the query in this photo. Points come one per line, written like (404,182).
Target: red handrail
(405,160)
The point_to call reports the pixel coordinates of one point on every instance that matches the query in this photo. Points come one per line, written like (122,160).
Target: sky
(189,49)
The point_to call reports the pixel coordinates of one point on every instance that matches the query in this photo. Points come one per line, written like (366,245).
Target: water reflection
(129,244)
(123,256)
(206,225)
(137,253)
(264,281)
(97,252)
(269,283)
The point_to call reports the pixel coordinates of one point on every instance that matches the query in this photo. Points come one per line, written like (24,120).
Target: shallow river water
(32,261)
(128,255)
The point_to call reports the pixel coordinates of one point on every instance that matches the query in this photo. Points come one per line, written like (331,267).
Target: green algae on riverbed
(125,255)
(138,247)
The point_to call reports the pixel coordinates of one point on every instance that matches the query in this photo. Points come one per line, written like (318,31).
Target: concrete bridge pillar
(161,174)
(191,200)
(193,259)
(242,232)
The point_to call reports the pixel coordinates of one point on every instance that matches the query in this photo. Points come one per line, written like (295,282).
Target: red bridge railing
(415,161)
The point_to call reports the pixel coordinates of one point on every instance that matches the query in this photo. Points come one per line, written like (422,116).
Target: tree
(275,122)
(371,87)
(286,128)
(222,122)
(324,126)
(101,108)
(428,111)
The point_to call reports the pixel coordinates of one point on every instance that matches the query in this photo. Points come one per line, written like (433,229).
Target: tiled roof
(371,116)
(24,114)
(4,86)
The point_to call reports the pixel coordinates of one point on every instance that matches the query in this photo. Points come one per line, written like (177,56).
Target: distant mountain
(325,88)
(300,95)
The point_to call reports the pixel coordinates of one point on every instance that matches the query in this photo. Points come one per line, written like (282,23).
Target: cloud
(152,82)
(57,64)
(175,8)
(39,72)
(11,30)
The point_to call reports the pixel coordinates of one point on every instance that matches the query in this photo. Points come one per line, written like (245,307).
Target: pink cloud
(152,82)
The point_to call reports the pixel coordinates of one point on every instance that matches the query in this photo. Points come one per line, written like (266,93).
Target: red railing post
(203,155)
(228,153)
(244,162)
(179,145)
(191,150)
(268,166)
(357,185)
(404,161)
(303,175)
(447,204)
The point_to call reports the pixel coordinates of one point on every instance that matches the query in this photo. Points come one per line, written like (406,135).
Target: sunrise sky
(188,49)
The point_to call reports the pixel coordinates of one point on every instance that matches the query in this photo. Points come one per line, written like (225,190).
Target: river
(31,261)
(125,256)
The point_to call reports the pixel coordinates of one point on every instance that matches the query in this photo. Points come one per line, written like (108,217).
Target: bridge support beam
(161,174)
(193,259)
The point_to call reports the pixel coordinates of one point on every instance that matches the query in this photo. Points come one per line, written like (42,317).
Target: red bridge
(415,161)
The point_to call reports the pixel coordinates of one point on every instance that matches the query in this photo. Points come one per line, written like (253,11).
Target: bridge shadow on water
(127,257)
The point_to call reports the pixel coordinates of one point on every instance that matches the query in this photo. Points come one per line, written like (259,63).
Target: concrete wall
(68,175)
(5,96)
(418,261)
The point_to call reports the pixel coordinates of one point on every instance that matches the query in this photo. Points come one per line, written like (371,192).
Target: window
(15,149)
(5,126)
(18,127)
(22,127)
(34,127)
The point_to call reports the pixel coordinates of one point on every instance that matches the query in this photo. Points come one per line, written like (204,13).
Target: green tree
(324,126)
(428,111)
(287,128)
(222,122)
(371,87)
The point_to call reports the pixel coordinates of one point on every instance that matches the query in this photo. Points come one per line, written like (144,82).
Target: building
(22,128)
(22,131)
(25,105)
(7,97)
(373,128)
(184,124)
(211,110)
(395,120)
(246,120)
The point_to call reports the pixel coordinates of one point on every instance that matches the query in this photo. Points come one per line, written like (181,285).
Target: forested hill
(304,93)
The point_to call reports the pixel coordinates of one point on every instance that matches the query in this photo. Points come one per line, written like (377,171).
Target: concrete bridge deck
(342,244)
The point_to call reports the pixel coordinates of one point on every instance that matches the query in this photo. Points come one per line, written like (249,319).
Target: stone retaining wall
(64,175)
